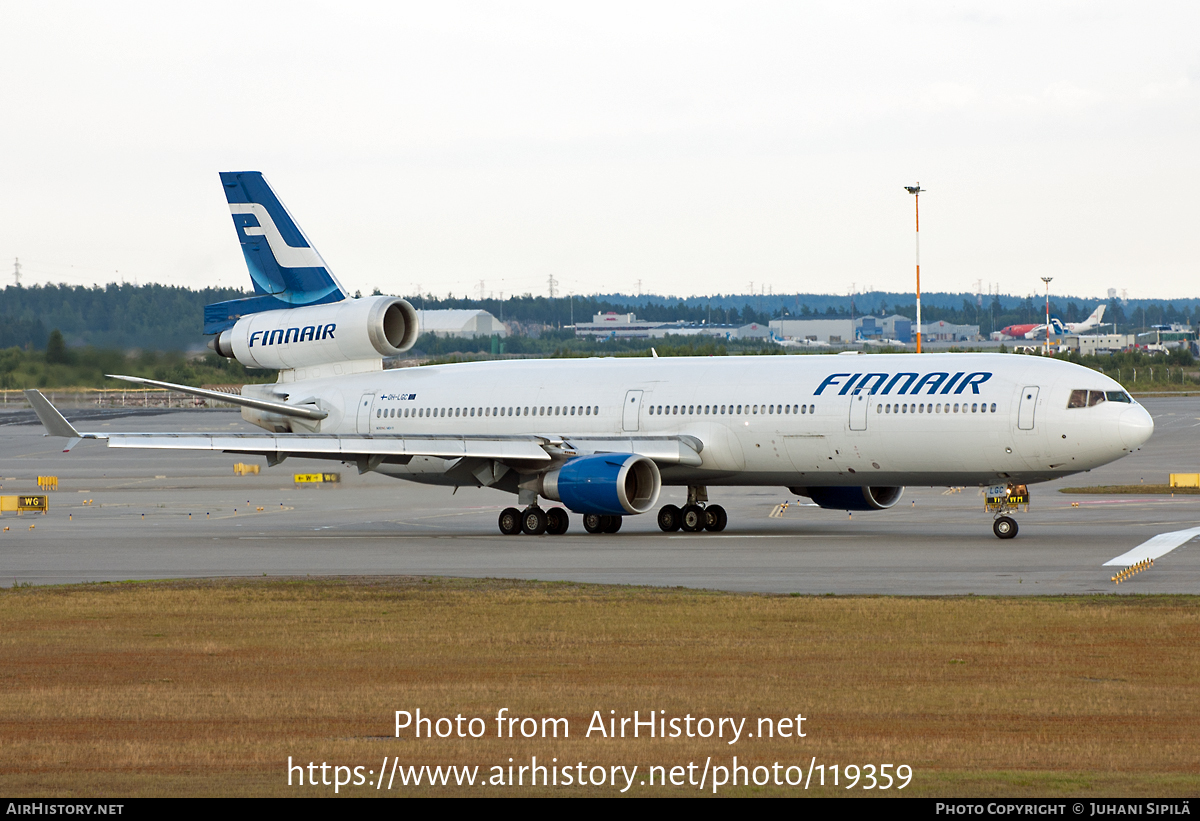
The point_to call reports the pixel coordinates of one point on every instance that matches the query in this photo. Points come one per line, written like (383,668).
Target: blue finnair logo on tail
(287,256)
(283,263)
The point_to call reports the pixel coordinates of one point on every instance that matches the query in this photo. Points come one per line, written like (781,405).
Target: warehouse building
(467,324)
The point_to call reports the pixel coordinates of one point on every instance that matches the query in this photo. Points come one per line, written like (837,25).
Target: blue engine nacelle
(612,484)
(851,498)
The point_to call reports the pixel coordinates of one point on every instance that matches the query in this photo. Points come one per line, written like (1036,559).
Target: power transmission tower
(17,271)
(553,283)
(481,289)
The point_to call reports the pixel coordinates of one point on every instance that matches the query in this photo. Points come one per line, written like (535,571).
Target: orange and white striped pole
(916,191)
(1046,280)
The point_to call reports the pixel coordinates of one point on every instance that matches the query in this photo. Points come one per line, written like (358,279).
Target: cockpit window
(1087,399)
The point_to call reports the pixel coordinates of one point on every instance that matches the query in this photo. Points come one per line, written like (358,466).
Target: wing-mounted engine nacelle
(611,484)
(354,329)
(852,498)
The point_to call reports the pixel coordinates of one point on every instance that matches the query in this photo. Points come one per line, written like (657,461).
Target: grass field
(207,687)
(1152,490)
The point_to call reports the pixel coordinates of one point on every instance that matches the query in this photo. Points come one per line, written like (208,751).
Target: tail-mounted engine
(353,329)
(851,498)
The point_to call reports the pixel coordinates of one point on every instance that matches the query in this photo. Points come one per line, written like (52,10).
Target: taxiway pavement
(157,514)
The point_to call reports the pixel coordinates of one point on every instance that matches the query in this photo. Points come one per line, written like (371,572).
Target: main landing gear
(597,523)
(695,516)
(533,521)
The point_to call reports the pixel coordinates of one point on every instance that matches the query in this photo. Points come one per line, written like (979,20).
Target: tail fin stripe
(288,256)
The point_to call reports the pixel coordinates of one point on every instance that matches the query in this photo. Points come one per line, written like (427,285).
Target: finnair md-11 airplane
(604,435)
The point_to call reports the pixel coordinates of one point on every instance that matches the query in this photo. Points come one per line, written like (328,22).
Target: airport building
(622,326)
(872,328)
(830,331)
(628,326)
(467,324)
(1088,344)
(1167,337)
(949,332)
(755,330)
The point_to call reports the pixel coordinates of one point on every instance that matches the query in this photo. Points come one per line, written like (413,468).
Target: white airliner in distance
(604,435)
(1057,328)
(804,344)
(1093,321)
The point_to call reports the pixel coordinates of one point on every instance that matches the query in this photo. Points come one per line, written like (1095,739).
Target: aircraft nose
(1136,426)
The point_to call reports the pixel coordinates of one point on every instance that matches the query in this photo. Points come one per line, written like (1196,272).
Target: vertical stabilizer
(282,262)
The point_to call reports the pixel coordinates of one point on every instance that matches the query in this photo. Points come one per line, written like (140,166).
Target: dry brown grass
(206,688)
(1134,489)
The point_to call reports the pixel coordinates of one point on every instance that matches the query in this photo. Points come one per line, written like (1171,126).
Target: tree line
(170,318)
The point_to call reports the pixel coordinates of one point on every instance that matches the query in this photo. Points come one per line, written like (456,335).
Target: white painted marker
(1160,545)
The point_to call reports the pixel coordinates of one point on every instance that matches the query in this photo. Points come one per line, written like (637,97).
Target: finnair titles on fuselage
(603,436)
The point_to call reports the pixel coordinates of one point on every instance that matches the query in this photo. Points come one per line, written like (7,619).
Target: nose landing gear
(1002,500)
(1005,527)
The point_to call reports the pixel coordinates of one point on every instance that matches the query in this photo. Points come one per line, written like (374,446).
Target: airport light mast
(916,191)
(1047,281)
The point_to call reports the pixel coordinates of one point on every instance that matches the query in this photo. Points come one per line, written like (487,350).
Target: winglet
(55,423)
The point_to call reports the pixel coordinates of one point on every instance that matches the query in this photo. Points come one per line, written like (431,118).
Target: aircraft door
(364,412)
(858,411)
(631,416)
(1025,416)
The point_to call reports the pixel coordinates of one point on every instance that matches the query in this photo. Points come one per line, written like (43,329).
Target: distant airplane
(798,343)
(1092,321)
(1033,331)
(603,436)
(1057,328)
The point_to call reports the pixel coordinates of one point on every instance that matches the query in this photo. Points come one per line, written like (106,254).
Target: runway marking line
(1155,547)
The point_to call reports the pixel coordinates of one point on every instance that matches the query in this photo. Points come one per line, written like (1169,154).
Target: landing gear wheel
(533,521)
(669,518)
(715,518)
(693,519)
(593,522)
(612,523)
(557,521)
(1005,527)
(510,521)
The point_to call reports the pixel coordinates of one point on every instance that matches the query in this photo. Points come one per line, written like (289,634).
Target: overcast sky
(693,147)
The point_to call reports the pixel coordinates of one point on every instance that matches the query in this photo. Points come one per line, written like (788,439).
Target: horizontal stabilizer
(54,422)
(221,316)
(281,408)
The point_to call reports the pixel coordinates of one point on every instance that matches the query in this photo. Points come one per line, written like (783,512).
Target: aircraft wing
(662,449)
(349,448)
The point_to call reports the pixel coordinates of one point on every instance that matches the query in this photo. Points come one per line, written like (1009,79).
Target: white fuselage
(853,420)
